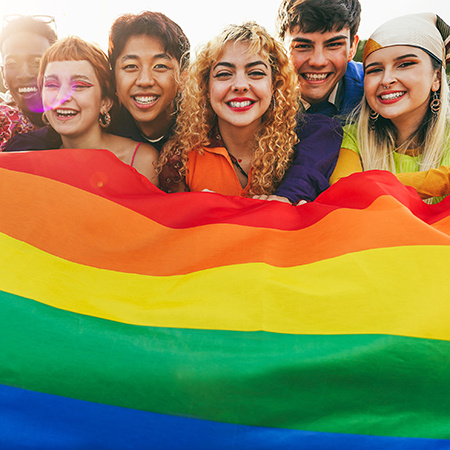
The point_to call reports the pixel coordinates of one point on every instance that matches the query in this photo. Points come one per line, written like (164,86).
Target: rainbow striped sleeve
(133,319)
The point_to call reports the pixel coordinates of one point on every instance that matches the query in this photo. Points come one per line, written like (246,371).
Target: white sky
(200,20)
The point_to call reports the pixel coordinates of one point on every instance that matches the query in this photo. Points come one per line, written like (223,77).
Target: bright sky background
(200,20)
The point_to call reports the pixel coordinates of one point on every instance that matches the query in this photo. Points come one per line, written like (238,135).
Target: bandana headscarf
(426,31)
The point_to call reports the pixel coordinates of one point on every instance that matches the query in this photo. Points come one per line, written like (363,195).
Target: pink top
(134,154)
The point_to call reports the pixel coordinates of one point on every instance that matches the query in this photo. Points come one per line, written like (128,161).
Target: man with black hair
(321,37)
(23,41)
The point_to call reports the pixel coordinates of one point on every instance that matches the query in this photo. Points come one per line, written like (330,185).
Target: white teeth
(315,76)
(146,100)
(27,90)
(391,96)
(66,112)
(240,104)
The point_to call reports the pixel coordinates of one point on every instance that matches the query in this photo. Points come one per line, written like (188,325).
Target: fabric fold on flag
(131,318)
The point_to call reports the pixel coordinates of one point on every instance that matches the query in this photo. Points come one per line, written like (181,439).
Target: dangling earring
(435,104)
(373,117)
(44,119)
(104,119)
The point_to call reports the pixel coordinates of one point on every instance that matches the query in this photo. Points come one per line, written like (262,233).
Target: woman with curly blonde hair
(235,132)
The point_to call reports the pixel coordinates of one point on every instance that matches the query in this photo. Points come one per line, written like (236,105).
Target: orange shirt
(213,170)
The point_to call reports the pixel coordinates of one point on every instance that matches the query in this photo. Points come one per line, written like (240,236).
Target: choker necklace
(152,141)
(234,160)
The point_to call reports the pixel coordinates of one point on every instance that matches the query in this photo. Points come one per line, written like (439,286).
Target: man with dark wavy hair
(321,37)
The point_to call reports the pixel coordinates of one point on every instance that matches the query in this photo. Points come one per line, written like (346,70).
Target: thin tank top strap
(134,154)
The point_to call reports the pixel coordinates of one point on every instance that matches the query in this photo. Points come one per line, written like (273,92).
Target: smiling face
(398,83)
(240,86)
(147,80)
(320,60)
(22,53)
(72,98)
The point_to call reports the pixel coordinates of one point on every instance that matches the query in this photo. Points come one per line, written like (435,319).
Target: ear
(437,81)
(353,48)
(106,105)
(2,70)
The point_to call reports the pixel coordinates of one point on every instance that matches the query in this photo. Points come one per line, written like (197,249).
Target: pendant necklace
(234,160)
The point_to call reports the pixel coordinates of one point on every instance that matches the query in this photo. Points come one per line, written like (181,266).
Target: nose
(388,79)
(317,58)
(241,83)
(63,95)
(145,78)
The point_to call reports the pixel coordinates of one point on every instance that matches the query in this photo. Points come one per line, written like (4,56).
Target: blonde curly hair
(196,119)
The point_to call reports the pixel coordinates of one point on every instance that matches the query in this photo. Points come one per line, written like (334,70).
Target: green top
(403,163)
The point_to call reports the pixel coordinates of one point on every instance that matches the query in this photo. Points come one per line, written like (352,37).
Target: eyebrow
(78,77)
(399,58)
(18,55)
(247,66)
(408,55)
(328,41)
(157,56)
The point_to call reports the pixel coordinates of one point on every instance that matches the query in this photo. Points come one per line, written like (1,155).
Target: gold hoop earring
(44,119)
(104,119)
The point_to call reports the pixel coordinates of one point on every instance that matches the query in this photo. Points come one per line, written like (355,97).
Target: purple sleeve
(315,157)
(42,139)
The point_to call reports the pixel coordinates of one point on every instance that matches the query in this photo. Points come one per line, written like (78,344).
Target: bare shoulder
(147,149)
(127,148)
(141,156)
(144,159)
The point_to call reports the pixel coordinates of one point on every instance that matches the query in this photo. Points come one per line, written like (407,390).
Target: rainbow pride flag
(133,319)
